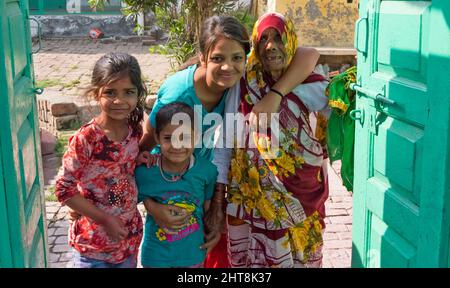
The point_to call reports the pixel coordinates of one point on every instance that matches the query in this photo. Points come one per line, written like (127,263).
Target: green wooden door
(22,207)
(402,178)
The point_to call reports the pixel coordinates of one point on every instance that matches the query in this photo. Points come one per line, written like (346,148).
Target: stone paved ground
(68,64)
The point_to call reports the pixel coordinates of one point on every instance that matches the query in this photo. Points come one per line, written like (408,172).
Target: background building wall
(319,23)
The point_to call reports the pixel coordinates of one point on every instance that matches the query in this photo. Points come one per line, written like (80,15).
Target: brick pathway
(65,61)
(338,234)
(66,65)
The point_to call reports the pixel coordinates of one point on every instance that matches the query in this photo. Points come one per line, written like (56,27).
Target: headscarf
(284,26)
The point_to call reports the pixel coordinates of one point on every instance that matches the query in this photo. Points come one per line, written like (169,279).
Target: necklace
(175,178)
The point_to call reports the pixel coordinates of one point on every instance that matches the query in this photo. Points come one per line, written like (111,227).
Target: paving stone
(342,263)
(64,209)
(334,253)
(61,223)
(51,209)
(51,240)
(49,217)
(341,219)
(330,236)
(327,264)
(339,199)
(337,228)
(60,248)
(61,231)
(61,240)
(333,244)
(68,256)
(51,231)
(54,257)
(337,212)
(342,205)
(345,236)
(60,265)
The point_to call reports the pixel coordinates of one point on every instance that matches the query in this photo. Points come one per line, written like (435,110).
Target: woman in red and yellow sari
(276,196)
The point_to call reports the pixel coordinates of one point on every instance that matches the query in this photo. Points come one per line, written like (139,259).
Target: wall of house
(320,23)
(79,25)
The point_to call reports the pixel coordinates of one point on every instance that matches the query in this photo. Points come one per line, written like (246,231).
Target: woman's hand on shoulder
(146,158)
(73,215)
(262,110)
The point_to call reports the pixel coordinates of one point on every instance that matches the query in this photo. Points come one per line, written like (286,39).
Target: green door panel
(392,190)
(18,47)
(22,181)
(383,238)
(399,165)
(410,22)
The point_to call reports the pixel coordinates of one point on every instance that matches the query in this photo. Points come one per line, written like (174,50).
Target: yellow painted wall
(320,23)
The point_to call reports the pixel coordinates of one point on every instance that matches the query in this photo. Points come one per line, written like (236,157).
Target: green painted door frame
(23,231)
(402,148)
(5,247)
(437,170)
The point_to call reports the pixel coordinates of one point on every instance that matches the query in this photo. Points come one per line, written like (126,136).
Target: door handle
(357,115)
(362,22)
(371,94)
(39,32)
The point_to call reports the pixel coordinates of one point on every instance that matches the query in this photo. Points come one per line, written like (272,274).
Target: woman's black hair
(214,28)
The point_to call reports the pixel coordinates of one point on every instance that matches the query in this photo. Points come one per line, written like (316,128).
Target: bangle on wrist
(277,92)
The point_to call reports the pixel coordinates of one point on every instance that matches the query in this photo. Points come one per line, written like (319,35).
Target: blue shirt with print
(195,186)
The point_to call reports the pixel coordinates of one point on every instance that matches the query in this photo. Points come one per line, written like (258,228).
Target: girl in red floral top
(98,176)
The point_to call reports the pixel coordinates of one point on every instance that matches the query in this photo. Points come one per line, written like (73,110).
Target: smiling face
(177,143)
(271,52)
(118,99)
(225,63)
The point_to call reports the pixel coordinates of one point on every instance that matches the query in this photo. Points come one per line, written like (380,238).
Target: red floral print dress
(102,171)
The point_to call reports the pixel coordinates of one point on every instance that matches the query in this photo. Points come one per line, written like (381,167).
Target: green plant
(74,125)
(50,197)
(245,17)
(48,83)
(61,144)
(71,84)
(182,19)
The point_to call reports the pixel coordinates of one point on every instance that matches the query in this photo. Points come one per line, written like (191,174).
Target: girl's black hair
(165,114)
(112,67)
(214,28)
